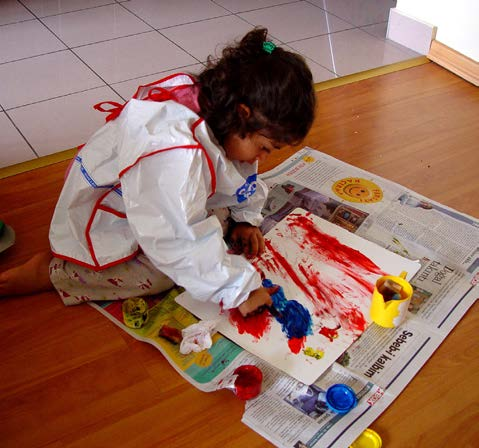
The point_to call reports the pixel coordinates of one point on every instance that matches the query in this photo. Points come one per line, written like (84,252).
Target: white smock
(144,182)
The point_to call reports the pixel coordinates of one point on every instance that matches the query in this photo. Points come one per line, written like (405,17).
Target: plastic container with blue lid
(340,398)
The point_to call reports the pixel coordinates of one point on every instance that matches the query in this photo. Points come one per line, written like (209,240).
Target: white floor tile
(43,77)
(48,91)
(127,89)
(26,39)
(358,12)
(378,30)
(11,11)
(248,5)
(319,73)
(308,21)
(134,56)
(13,147)
(43,8)
(208,37)
(62,123)
(350,51)
(166,14)
(95,25)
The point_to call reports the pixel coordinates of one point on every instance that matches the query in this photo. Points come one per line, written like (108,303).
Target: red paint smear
(331,297)
(351,260)
(258,269)
(296,344)
(257,325)
(330,333)
(330,246)
(352,318)
(355,318)
(288,268)
(313,280)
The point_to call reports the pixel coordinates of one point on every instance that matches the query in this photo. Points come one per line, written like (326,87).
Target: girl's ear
(244,111)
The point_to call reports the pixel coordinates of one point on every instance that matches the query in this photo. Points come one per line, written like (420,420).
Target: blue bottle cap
(340,398)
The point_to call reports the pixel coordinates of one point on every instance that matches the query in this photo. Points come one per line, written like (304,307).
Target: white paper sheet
(328,270)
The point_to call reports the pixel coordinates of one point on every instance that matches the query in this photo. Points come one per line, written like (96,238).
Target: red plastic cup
(247,382)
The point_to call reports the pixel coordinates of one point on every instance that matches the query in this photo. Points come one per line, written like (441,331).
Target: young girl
(134,216)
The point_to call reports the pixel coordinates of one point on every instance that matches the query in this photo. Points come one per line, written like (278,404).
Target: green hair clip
(268,46)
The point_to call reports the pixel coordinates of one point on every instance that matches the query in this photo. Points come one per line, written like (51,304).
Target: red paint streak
(288,268)
(296,344)
(330,333)
(355,318)
(332,298)
(270,264)
(260,271)
(257,325)
(341,292)
(331,248)
(313,280)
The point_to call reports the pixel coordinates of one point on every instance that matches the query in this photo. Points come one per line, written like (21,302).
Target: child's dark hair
(277,87)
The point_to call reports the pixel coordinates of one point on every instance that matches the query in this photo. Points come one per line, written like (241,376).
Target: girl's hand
(257,299)
(246,239)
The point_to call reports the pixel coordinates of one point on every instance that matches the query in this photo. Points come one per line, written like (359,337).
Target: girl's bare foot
(29,278)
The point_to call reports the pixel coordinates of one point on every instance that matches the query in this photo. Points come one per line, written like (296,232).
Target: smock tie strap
(159,94)
(113,111)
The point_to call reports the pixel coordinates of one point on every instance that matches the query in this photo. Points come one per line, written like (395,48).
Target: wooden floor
(71,378)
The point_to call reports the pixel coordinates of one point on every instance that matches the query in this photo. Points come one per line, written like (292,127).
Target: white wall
(457,22)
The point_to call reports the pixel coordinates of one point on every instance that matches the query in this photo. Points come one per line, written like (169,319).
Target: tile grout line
(158,30)
(75,55)
(161,34)
(35,17)
(325,85)
(20,132)
(78,57)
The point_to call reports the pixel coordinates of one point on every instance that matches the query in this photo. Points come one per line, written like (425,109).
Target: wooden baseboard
(454,61)
(29,165)
(379,71)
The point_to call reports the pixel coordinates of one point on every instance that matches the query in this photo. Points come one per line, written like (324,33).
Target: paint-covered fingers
(257,299)
(246,239)
(273,289)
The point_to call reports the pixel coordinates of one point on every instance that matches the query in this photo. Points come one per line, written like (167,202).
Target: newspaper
(379,364)
(206,370)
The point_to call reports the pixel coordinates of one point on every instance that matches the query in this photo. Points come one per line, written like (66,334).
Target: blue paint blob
(294,318)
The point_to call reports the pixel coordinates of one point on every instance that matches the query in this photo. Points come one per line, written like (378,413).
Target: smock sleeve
(165,199)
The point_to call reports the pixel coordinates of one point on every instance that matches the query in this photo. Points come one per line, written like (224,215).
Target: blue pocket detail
(247,189)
